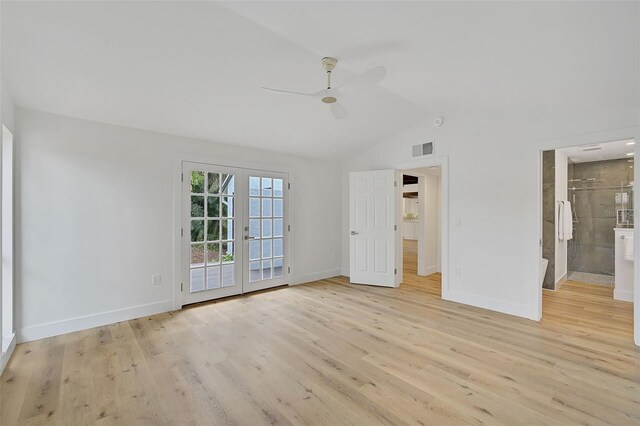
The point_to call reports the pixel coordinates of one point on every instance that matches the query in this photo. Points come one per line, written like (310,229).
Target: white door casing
(373,201)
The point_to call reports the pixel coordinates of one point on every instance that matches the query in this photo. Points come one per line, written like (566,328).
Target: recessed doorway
(421,228)
(234,231)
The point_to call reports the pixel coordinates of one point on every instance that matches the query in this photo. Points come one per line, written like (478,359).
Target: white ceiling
(195,69)
(598,152)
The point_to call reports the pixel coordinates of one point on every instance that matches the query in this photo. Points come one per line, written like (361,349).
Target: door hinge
(289,228)
(181,287)
(395,271)
(288,185)
(182,232)
(395,183)
(181,177)
(395,227)
(289,270)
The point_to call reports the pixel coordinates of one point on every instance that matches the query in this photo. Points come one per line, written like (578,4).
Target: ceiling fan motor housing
(329,63)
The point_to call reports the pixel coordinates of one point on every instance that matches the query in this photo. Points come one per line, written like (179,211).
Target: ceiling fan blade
(291,92)
(367,78)
(339,112)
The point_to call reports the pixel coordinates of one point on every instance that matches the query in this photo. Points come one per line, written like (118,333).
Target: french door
(234,231)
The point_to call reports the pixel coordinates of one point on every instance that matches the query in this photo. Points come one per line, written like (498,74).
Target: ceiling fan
(330,95)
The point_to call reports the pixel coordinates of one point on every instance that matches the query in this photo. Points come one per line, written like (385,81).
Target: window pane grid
(212,230)
(266,254)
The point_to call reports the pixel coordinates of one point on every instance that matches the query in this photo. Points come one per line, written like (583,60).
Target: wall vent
(423,149)
(591,148)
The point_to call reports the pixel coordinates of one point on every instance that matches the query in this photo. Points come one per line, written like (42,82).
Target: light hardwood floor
(332,353)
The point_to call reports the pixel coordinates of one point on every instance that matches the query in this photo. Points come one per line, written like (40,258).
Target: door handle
(354,233)
(246,237)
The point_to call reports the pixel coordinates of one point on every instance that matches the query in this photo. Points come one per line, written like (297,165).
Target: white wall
(493,192)
(95,208)
(7,341)
(428,247)
(562,189)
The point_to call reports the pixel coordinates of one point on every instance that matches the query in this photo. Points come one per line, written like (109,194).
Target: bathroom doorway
(421,228)
(587,242)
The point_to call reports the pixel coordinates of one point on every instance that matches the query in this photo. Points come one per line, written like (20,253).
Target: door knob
(354,233)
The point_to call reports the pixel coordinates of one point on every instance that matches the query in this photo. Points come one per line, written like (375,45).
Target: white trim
(316,276)
(56,328)
(8,345)
(443,162)
(624,296)
(489,303)
(431,270)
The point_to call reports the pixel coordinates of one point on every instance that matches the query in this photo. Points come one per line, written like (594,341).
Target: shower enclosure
(601,194)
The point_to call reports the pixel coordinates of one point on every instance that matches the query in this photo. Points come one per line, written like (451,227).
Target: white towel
(568,221)
(560,221)
(628,248)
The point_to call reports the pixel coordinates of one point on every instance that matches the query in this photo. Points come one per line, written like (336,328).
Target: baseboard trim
(345,272)
(10,344)
(489,303)
(56,328)
(432,270)
(560,282)
(622,295)
(316,276)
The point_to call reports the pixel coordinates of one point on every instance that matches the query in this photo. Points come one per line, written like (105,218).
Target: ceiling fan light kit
(330,95)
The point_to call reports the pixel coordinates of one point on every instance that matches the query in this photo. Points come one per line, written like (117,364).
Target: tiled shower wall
(593,245)
(548,216)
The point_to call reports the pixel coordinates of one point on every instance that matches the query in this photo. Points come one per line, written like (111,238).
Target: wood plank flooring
(331,353)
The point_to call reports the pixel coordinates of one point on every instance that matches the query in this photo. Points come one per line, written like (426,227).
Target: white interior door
(372,217)
(234,231)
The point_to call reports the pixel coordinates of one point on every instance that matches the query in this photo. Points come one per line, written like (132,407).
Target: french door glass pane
(277,188)
(213,277)
(277,208)
(197,206)
(278,266)
(254,207)
(197,230)
(197,182)
(277,227)
(213,253)
(254,228)
(228,184)
(254,186)
(213,186)
(254,272)
(217,206)
(254,250)
(266,187)
(197,280)
(213,206)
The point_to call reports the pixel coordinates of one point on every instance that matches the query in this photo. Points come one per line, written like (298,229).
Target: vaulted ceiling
(196,69)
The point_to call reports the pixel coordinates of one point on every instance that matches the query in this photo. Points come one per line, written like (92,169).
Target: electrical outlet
(156,279)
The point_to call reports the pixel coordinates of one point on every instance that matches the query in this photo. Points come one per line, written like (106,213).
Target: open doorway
(421,228)
(588,235)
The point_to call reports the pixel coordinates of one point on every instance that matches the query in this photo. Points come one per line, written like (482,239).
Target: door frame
(177,299)
(535,304)
(443,162)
